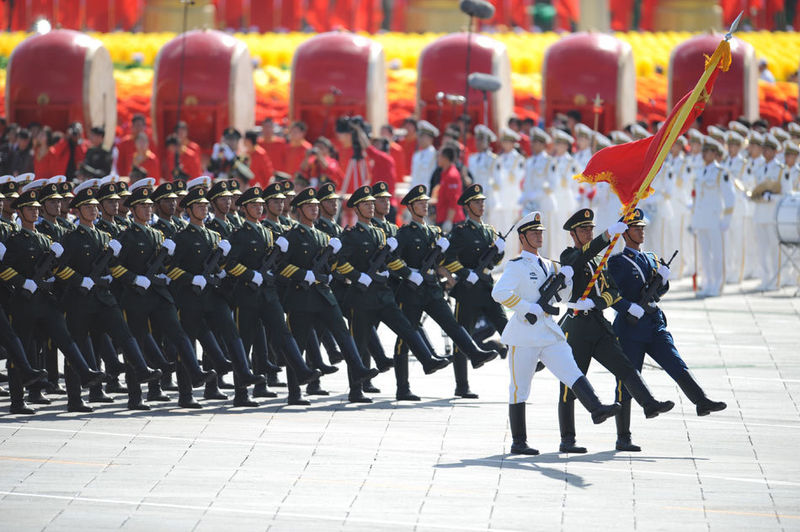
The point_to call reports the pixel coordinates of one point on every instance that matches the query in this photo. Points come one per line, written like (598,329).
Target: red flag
(626,167)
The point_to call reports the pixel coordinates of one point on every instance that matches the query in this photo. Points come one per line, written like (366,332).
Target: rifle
(266,268)
(376,262)
(210,266)
(430,262)
(548,291)
(649,295)
(100,269)
(320,266)
(43,270)
(487,259)
(154,266)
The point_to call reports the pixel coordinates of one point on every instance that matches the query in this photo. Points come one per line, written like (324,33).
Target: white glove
(568,272)
(2,250)
(225,246)
(443,243)
(30,285)
(500,244)
(536,310)
(392,243)
(257,278)
(57,249)
(282,243)
(228,152)
(215,150)
(472,278)
(663,271)
(163,277)
(635,310)
(115,246)
(617,228)
(310,278)
(142,281)
(335,244)
(87,283)
(584,304)
(365,279)
(107,278)
(199,281)
(384,273)
(170,245)
(415,278)
(222,274)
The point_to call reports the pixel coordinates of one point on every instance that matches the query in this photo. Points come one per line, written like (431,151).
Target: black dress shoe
(274,381)
(436,365)
(203,377)
(335,357)
(189,403)
(53,388)
(314,388)
(214,395)
(312,376)
(80,407)
(706,406)
(657,407)
(625,444)
(158,397)
(116,387)
(522,448)
(482,358)
(298,402)
(36,397)
(364,375)
(252,379)
(100,397)
(138,406)
(407,396)
(22,409)
(368,387)
(261,390)
(150,375)
(223,385)
(327,370)
(384,364)
(4,392)
(571,448)
(92,378)
(358,397)
(35,376)
(245,402)
(466,394)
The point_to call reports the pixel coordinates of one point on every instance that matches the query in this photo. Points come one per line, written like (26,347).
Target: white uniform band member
(532,334)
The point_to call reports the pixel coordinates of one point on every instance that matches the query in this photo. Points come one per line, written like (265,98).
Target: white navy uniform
(481,167)
(509,172)
(735,243)
(537,194)
(423,164)
(517,289)
(712,211)
(766,236)
(562,170)
(751,170)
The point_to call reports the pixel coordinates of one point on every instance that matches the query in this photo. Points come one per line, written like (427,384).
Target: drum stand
(791,253)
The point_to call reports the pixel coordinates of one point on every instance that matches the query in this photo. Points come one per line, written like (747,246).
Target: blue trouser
(661,348)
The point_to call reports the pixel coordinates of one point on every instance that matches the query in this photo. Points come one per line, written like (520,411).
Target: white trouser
(522,365)
(768,252)
(709,245)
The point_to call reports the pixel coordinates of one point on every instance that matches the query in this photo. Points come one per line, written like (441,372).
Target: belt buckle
(584,312)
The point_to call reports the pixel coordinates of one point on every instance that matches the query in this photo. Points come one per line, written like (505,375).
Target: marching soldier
(309,299)
(533,335)
(367,258)
(588,333)
(642,328)
(475,249)
(28,262)
(421,247)
(255,295)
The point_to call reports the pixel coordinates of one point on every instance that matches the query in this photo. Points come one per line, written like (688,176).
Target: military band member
(481,163)
(309,299)
(509,173)
(643,330)
(470,242)
(533,335)
(417,242)
(33,309)
(255,295)
(537,192)
(370,298)
(588,333)
(735,239)
(770,175)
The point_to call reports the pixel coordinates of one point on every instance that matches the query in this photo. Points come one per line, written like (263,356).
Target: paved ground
(440,464)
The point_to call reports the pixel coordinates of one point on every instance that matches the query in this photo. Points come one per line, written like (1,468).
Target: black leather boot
(585,393)
(16,354)
(623,419)
(641,393)
(135,393)
(132,355)
(295,363)
(17,392)
(97,395)
(566,423)
(212,391)
(36,395)
(696,395)
(155,394)
(241,398)
(401,375)
(331,347)
(295,396)
(419,348)
(259,390)
(314,388)
(477,356)
(241,369)
(314,356)
(461,372)
(88,377)
(519,431)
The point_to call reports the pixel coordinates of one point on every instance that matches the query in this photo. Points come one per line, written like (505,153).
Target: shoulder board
(515,259)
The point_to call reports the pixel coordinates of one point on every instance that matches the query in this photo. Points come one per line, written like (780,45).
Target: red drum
(736,91)
(336,74)
(441,71)
(61,77)
(582,66)
(218,89)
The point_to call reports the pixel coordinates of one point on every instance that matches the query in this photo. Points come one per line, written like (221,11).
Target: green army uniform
(309,299)
(416,243)
(7,226)
(470,241)
(589,333)
(256,299)
(36,315)
(371,300)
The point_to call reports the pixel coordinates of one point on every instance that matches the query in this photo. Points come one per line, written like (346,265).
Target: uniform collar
(474,223)
(528,255)
(255,226)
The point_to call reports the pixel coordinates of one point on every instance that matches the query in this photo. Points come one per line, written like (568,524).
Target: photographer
(351,134)
(98,160)
(319,166)
(69,152)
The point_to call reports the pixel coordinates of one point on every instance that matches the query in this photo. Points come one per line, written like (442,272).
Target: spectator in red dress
(297,148)
(127,146)
(447,193)
(192,149)
(274,145)
(187,168)
(259,162)
(144,161)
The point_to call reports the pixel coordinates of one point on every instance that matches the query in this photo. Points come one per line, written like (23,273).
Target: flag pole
(722,51)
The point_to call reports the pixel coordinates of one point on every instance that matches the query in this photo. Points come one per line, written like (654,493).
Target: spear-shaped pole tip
(734,26)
